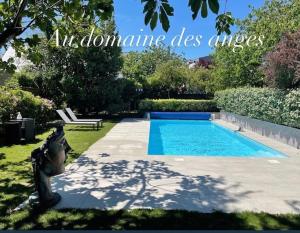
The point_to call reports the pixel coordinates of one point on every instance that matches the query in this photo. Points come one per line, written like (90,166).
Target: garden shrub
(21,79)
(266,104)
(281,66)
(30,106)
(178,105)
(291,110)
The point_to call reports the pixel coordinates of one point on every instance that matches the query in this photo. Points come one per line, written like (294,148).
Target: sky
(130,20)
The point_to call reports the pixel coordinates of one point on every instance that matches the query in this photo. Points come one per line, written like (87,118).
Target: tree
(282,65)
(199,81)
(18,16)
(240,68)
(170,77)
(232,70)
(50,67)
(138,66)
(174,78)
(86,78)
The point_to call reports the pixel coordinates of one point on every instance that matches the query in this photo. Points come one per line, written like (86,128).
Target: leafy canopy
(162,10)
(173,78)
(81,77)
(19,16)
(169,77)
(241,68)
(138,66)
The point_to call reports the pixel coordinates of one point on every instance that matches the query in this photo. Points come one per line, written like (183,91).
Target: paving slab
(117,173)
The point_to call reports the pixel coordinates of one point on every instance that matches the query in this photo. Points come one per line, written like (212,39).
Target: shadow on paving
(295,204)
(144,184)
(201,192)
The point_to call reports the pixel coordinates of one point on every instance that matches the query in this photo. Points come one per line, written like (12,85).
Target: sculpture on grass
(48,161)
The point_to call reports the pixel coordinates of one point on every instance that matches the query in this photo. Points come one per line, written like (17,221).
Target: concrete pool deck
(117,173)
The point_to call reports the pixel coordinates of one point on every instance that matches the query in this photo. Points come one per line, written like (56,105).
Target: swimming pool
(202,138)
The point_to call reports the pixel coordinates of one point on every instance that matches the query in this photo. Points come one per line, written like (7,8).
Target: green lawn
(146,219)
(15,167)
(16,185)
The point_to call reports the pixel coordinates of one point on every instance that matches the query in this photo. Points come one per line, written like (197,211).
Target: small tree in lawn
(282,65)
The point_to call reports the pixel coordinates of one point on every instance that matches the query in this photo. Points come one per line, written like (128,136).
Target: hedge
(291,109)
(266,104)
(13,101)
(178,105)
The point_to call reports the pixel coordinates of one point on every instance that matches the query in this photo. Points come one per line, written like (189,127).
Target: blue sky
(130,20)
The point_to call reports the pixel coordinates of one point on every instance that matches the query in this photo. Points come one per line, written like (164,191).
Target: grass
(147,219)
(16,185)
(16,181)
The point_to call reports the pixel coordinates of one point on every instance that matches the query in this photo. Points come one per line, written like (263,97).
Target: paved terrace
(117,173)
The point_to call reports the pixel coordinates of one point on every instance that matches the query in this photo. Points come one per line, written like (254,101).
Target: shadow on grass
(2,156)
(35,141)
(146,219)
(16,179)
(82,129)
(16,185)
(72,156)
(90,128)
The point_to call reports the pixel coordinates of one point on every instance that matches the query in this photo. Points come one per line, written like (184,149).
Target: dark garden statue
(48,161)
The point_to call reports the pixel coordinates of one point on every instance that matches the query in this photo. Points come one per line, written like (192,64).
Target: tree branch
(15,28)
(32,21)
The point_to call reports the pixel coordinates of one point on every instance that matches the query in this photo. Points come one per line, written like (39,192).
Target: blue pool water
(202,138)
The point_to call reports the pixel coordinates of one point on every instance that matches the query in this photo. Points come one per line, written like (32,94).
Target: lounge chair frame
(69,122)
(75,119)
